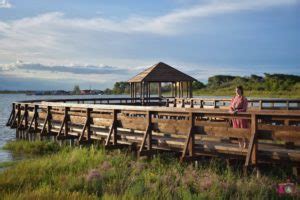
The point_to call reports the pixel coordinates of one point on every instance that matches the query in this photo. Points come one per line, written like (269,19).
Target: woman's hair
(241,89)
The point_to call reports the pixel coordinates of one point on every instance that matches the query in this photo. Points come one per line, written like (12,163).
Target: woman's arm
(231,108)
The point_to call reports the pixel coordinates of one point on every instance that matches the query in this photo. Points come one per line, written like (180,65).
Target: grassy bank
(253,93)
(90,173)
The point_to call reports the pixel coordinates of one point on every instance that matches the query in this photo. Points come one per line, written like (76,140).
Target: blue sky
(51,44)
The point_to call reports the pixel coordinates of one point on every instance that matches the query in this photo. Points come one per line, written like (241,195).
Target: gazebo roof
(161,72)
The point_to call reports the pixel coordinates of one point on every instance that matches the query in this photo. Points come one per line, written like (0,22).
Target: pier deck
(190,129)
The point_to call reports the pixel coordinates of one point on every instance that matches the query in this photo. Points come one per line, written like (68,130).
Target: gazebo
(181,83)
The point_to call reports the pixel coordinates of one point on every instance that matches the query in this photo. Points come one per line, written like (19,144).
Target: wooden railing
(113,101)
(273,135)
(253,104)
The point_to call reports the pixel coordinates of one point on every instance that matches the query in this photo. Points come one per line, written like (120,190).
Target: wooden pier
(191,129)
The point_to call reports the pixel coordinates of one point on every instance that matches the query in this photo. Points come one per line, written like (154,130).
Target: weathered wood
(170,127)
(113,130)
(148,133)
(190,140)
(252,149)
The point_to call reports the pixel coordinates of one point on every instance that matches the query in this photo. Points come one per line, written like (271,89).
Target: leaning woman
(239,103)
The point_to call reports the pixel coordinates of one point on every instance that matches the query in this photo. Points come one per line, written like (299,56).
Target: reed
(93,173)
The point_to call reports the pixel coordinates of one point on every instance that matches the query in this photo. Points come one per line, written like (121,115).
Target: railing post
(18,121)
(148,134)
(252,149)
(12,115)
(88,128)
(36,116)
(260,104)
(190,140)
(113,129)
(192,103)
(49,119)
(24,133)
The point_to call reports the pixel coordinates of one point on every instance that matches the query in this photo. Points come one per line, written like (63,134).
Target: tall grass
(31,148)
(93,173)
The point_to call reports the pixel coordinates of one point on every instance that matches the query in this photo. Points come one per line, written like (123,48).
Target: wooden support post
(201,103)
(182,103)
(252,149)
(33,120)
(12,115)
(147,135)
(86,127)
(18,117)
(64,124)
(113,130)
(13,121)
(190,140)
(47,125)
(36,110)
(67,109)
(192,103)
(49,120)
(167,102)
(260,105)
(24,130)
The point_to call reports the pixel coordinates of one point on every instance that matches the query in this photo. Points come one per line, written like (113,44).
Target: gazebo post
(159,91)
(187,89)
(141,92)
(149,92)
(191,89)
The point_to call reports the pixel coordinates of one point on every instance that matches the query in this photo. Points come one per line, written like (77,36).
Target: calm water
(7,134)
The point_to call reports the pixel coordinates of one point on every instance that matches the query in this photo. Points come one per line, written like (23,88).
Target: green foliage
(196,85)
(121,88)
(76,90)
(92,173)
(271,85)
(33,148)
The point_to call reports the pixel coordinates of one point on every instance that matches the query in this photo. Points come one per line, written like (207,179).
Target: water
(7,134)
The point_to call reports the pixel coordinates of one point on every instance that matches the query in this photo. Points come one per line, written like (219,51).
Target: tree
(121,88)
(198,85)
(76,90)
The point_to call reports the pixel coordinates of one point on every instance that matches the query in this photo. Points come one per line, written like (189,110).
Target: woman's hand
(233,111)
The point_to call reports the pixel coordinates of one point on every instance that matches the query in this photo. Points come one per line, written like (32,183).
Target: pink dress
(240,104)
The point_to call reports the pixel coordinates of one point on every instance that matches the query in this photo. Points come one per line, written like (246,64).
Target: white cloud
(97,74)
(55,37)
(5,4)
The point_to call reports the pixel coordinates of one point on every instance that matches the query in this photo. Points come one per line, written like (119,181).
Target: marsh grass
(93,173)
(31,148)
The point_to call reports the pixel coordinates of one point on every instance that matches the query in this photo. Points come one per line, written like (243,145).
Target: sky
(54,44)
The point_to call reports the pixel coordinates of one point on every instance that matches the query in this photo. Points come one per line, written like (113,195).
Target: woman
(239,103)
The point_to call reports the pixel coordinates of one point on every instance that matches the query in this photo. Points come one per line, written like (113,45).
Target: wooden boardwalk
(190,129)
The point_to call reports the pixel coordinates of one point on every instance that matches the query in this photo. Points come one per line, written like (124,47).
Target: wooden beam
(33,119)
(148,133)
(252,149)
(190,140)
(112,130)
(12,115)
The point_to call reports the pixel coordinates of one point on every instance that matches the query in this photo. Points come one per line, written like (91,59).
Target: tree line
(268,82)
